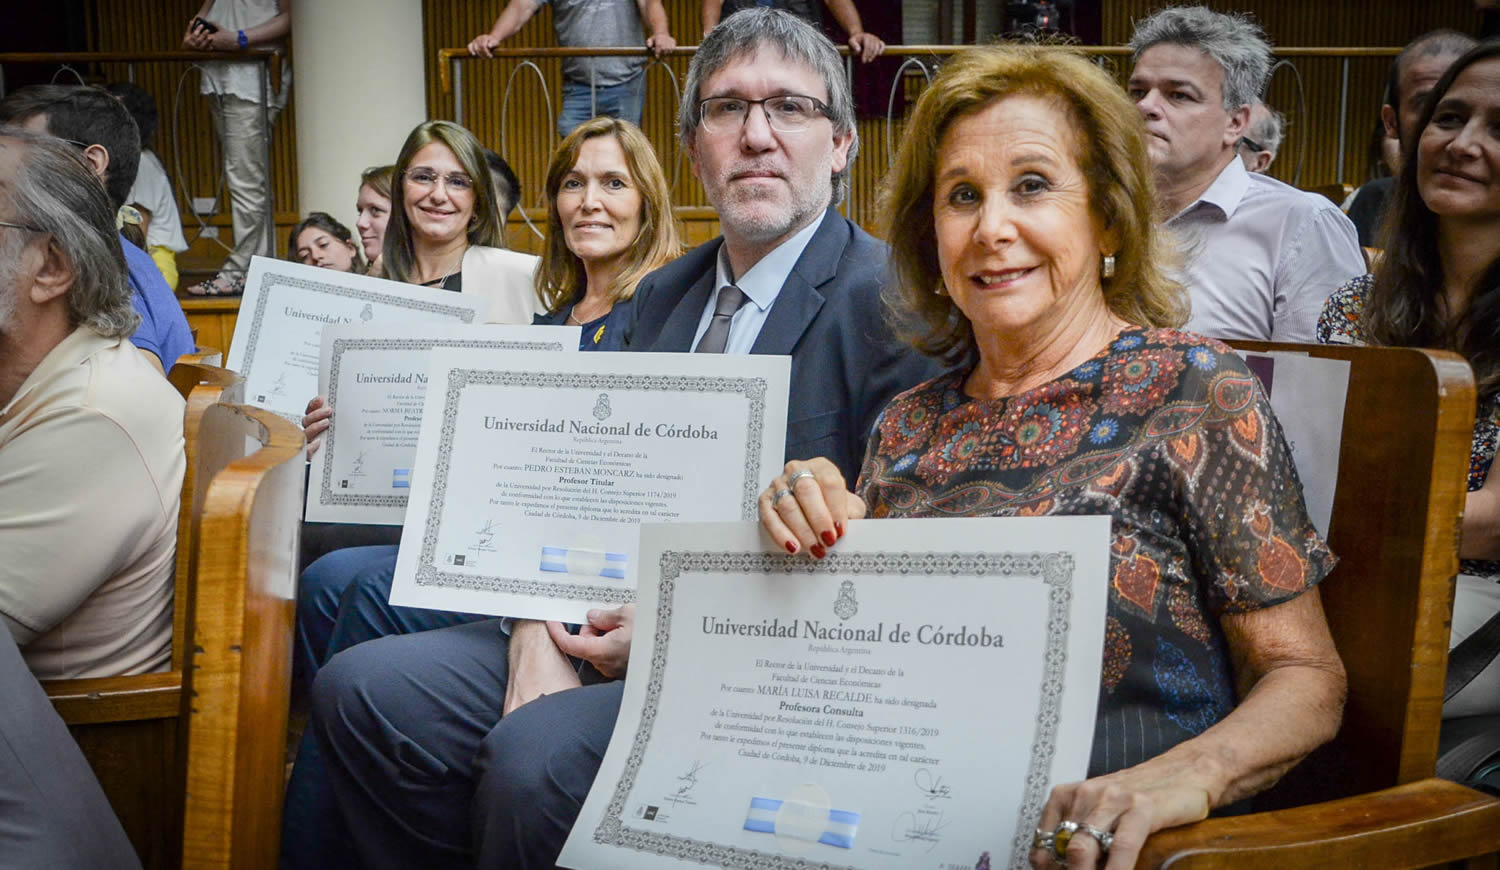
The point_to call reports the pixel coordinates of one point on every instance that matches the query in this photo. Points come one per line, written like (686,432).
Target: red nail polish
(840,528)
(818,551)
(791,547)
(828,538)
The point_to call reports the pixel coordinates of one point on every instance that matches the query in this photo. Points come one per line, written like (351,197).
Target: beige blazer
(507,278)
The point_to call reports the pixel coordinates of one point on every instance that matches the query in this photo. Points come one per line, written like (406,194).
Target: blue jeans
(623,100)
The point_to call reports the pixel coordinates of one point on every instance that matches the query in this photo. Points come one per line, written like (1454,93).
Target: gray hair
(749,29)
(54,191)
(1268,129)
(1234,42)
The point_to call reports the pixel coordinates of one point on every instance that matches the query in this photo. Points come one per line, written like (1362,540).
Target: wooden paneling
(525,134)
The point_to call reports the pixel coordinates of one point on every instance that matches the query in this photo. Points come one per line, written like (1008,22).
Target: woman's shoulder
(1146,370)
(1339,322)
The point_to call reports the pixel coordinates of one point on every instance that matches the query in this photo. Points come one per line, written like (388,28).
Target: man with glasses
(464,740)
(91,449)
(1258,147)
(1260,257)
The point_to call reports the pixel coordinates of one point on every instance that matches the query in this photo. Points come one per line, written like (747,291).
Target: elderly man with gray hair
(91,449)
(1260,256)
(1258,147)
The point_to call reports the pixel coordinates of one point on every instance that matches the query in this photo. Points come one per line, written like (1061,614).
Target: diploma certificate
(375,376)
(906,703)
(536,469)
(278,334)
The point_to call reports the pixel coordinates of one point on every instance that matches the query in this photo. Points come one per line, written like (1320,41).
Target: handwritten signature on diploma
(923,825)
(930,786)
(688,782)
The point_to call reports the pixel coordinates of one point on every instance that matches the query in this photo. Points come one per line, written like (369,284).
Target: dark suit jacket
(846,365)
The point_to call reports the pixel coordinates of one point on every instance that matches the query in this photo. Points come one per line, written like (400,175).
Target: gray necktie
(717,335)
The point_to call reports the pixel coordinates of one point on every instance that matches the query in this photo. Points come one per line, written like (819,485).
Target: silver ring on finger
(791,482)
(779,494)
(1042,840)
(1105,838)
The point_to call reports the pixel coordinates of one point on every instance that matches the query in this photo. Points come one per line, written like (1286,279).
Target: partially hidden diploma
(905,704)
(375,378)
(285,307)
(536,471)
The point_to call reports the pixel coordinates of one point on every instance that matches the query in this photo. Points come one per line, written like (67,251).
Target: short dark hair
(84,114)
(142,107)
(1433,43)
(507,185)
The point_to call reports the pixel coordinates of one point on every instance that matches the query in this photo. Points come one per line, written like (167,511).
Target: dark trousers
(343,600)
(425,772)
(53,815)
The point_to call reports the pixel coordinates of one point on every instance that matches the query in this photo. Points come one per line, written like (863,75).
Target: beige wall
(358,71)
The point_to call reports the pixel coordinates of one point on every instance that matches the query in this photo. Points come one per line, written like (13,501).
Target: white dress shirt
(760,284)
(1260,257)
(154,191)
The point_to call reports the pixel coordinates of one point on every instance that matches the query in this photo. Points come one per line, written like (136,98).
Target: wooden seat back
(1369,798)
(201,385)
(208,356)
(1403,461)
(244,561)
(128,727)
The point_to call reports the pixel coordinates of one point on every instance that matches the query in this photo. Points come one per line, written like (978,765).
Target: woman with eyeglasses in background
(446,229)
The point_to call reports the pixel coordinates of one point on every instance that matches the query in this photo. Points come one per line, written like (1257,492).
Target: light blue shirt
(760,284)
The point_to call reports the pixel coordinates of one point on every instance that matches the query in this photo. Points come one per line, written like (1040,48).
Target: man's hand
(604,641)
(198,38)
(537,666)
(866,46)
(661,43)
(483,44)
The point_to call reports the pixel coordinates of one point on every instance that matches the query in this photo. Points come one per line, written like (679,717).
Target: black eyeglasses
(786,113)
(1253,145)
(27,227)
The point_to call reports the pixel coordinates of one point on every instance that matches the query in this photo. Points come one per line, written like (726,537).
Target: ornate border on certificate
(430,574)
(327,495)
(271,280)
(1054,569)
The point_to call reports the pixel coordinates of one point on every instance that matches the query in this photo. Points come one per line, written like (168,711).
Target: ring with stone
(1062,836)
(779,494)
(791,482)
(1105,838)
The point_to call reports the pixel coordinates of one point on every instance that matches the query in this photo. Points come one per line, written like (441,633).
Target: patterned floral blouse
(1170,435)
(1340,324)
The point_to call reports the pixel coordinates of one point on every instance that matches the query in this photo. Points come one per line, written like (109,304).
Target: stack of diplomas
(279,330)
(907,702)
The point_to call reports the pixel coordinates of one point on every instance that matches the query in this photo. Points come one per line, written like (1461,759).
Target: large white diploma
(375,378)
(285,307)
(535,470)
(906,703)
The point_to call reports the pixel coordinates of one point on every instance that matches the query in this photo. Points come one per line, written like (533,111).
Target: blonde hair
(398,256)
(560,279)
(1110,147)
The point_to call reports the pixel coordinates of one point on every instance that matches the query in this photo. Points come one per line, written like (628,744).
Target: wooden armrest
(1420,824)
(117,699)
